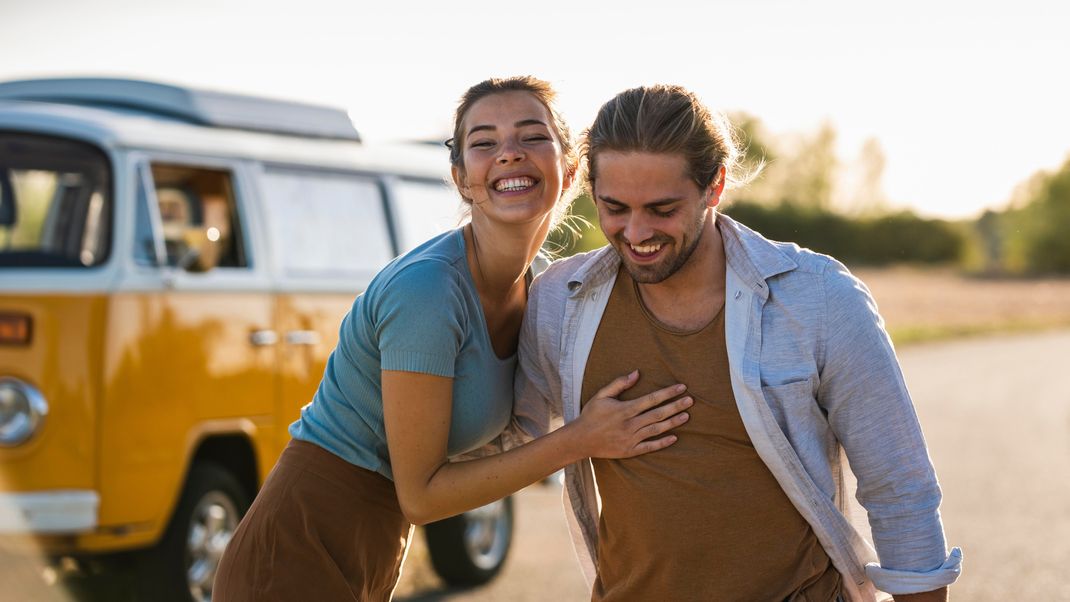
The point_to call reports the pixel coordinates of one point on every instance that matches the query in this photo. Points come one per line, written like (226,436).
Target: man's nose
(510,153)
(636,229)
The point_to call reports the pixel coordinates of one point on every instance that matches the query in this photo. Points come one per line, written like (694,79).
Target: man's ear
(570,176)
(716,187)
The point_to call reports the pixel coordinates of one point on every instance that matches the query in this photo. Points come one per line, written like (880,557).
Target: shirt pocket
(792,402)
(805,426)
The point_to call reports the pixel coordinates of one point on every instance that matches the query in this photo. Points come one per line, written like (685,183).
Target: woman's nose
(510,153)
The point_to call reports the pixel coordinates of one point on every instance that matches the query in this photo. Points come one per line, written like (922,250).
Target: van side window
(422,209)
(198,218)
(326,224)
(145,251)
(55,203)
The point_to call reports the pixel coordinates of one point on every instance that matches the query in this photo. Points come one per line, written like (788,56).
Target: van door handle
(303,337)
(263,338)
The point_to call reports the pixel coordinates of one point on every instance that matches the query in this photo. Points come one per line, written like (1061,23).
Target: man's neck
(694,294)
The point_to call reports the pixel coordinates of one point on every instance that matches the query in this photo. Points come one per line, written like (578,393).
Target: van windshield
(55,203)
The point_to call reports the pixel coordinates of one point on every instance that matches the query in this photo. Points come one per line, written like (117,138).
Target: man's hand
(937,595)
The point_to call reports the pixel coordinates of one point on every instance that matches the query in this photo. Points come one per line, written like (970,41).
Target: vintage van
(174,265)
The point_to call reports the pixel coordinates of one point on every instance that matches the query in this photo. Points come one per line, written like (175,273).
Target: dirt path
(996,412)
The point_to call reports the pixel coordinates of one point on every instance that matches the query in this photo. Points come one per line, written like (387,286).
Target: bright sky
(967,99)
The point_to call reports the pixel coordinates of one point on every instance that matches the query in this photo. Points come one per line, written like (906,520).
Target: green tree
(1047,222)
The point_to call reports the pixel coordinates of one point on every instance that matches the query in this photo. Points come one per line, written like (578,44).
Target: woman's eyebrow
(521,123)
(524,122)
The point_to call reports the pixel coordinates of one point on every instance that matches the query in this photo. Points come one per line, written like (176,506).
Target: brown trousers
(320,529)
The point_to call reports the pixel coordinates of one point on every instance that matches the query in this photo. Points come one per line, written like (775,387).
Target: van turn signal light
(15,329)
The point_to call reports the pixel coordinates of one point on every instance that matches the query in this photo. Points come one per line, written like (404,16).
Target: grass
(906,335)
(925,304)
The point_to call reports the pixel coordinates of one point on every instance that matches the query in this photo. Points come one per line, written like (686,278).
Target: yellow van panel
(174,362)
(62,361)
(301,365)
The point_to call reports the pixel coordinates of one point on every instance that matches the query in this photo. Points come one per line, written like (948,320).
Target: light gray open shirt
(815,378)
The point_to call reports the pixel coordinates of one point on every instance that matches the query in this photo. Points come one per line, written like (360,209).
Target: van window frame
(378,178)
(143,172)
(111,219)
(252,276)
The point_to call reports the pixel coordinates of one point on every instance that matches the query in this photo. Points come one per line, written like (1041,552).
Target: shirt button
(738,294)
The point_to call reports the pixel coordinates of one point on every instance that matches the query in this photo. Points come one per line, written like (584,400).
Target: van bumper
(49,512)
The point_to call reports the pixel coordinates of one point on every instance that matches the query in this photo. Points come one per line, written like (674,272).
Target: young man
(789,366)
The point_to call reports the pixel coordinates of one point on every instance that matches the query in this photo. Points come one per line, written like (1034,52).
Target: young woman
(423,371)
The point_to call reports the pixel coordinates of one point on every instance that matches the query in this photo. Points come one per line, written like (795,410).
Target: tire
(182,566)
(470,549)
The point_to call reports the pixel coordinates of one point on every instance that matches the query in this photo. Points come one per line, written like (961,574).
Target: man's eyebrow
(651,204)
(519,124)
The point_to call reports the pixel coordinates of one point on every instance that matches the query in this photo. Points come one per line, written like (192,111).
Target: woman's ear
(459,181)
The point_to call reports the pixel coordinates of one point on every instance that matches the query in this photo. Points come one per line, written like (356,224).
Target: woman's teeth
(513,184)
(645,249)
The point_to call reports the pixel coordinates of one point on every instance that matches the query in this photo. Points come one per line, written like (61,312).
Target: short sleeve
(421,319)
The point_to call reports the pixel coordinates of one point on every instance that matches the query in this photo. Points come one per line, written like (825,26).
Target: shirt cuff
(914,582)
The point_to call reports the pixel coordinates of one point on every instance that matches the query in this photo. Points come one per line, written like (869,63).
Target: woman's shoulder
(438,262)
(446,248)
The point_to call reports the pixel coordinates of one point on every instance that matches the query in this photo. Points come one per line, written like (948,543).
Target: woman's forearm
(457,487)
(416,412)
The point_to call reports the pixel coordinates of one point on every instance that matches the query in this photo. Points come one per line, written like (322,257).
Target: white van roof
(201,107)
(68,109)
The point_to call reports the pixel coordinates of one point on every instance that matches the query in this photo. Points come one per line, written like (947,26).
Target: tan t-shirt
(703,519)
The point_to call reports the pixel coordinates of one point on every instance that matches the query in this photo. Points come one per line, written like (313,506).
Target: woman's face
(514,169)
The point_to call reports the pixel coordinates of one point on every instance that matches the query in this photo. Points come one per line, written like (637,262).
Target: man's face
(650,210)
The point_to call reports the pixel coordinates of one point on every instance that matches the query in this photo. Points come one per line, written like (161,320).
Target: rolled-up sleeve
(870,410)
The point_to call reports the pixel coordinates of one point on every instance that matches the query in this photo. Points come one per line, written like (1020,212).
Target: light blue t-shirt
(421,313)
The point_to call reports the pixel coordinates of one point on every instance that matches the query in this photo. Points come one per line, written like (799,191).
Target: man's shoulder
(807,260)
(557,279)
(763,249)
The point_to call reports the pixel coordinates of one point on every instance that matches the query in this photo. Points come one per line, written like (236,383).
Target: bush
(894,238)
(899,237)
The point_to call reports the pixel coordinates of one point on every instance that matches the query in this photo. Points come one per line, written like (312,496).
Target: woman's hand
(610,428)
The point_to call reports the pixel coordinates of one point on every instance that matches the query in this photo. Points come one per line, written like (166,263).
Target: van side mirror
(8,204)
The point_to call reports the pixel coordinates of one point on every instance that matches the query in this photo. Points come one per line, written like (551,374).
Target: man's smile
(645,251)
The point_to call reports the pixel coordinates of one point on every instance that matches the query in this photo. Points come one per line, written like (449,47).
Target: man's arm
(537,386)
(872,415)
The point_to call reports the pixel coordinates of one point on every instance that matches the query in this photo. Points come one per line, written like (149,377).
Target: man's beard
(659,272)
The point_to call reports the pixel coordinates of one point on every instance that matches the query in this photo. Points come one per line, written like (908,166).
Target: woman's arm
(417,409)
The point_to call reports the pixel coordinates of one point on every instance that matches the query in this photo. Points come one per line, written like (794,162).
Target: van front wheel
(471,548)
(183,565)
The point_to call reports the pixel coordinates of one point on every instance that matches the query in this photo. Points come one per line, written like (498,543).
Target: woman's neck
(499,254)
